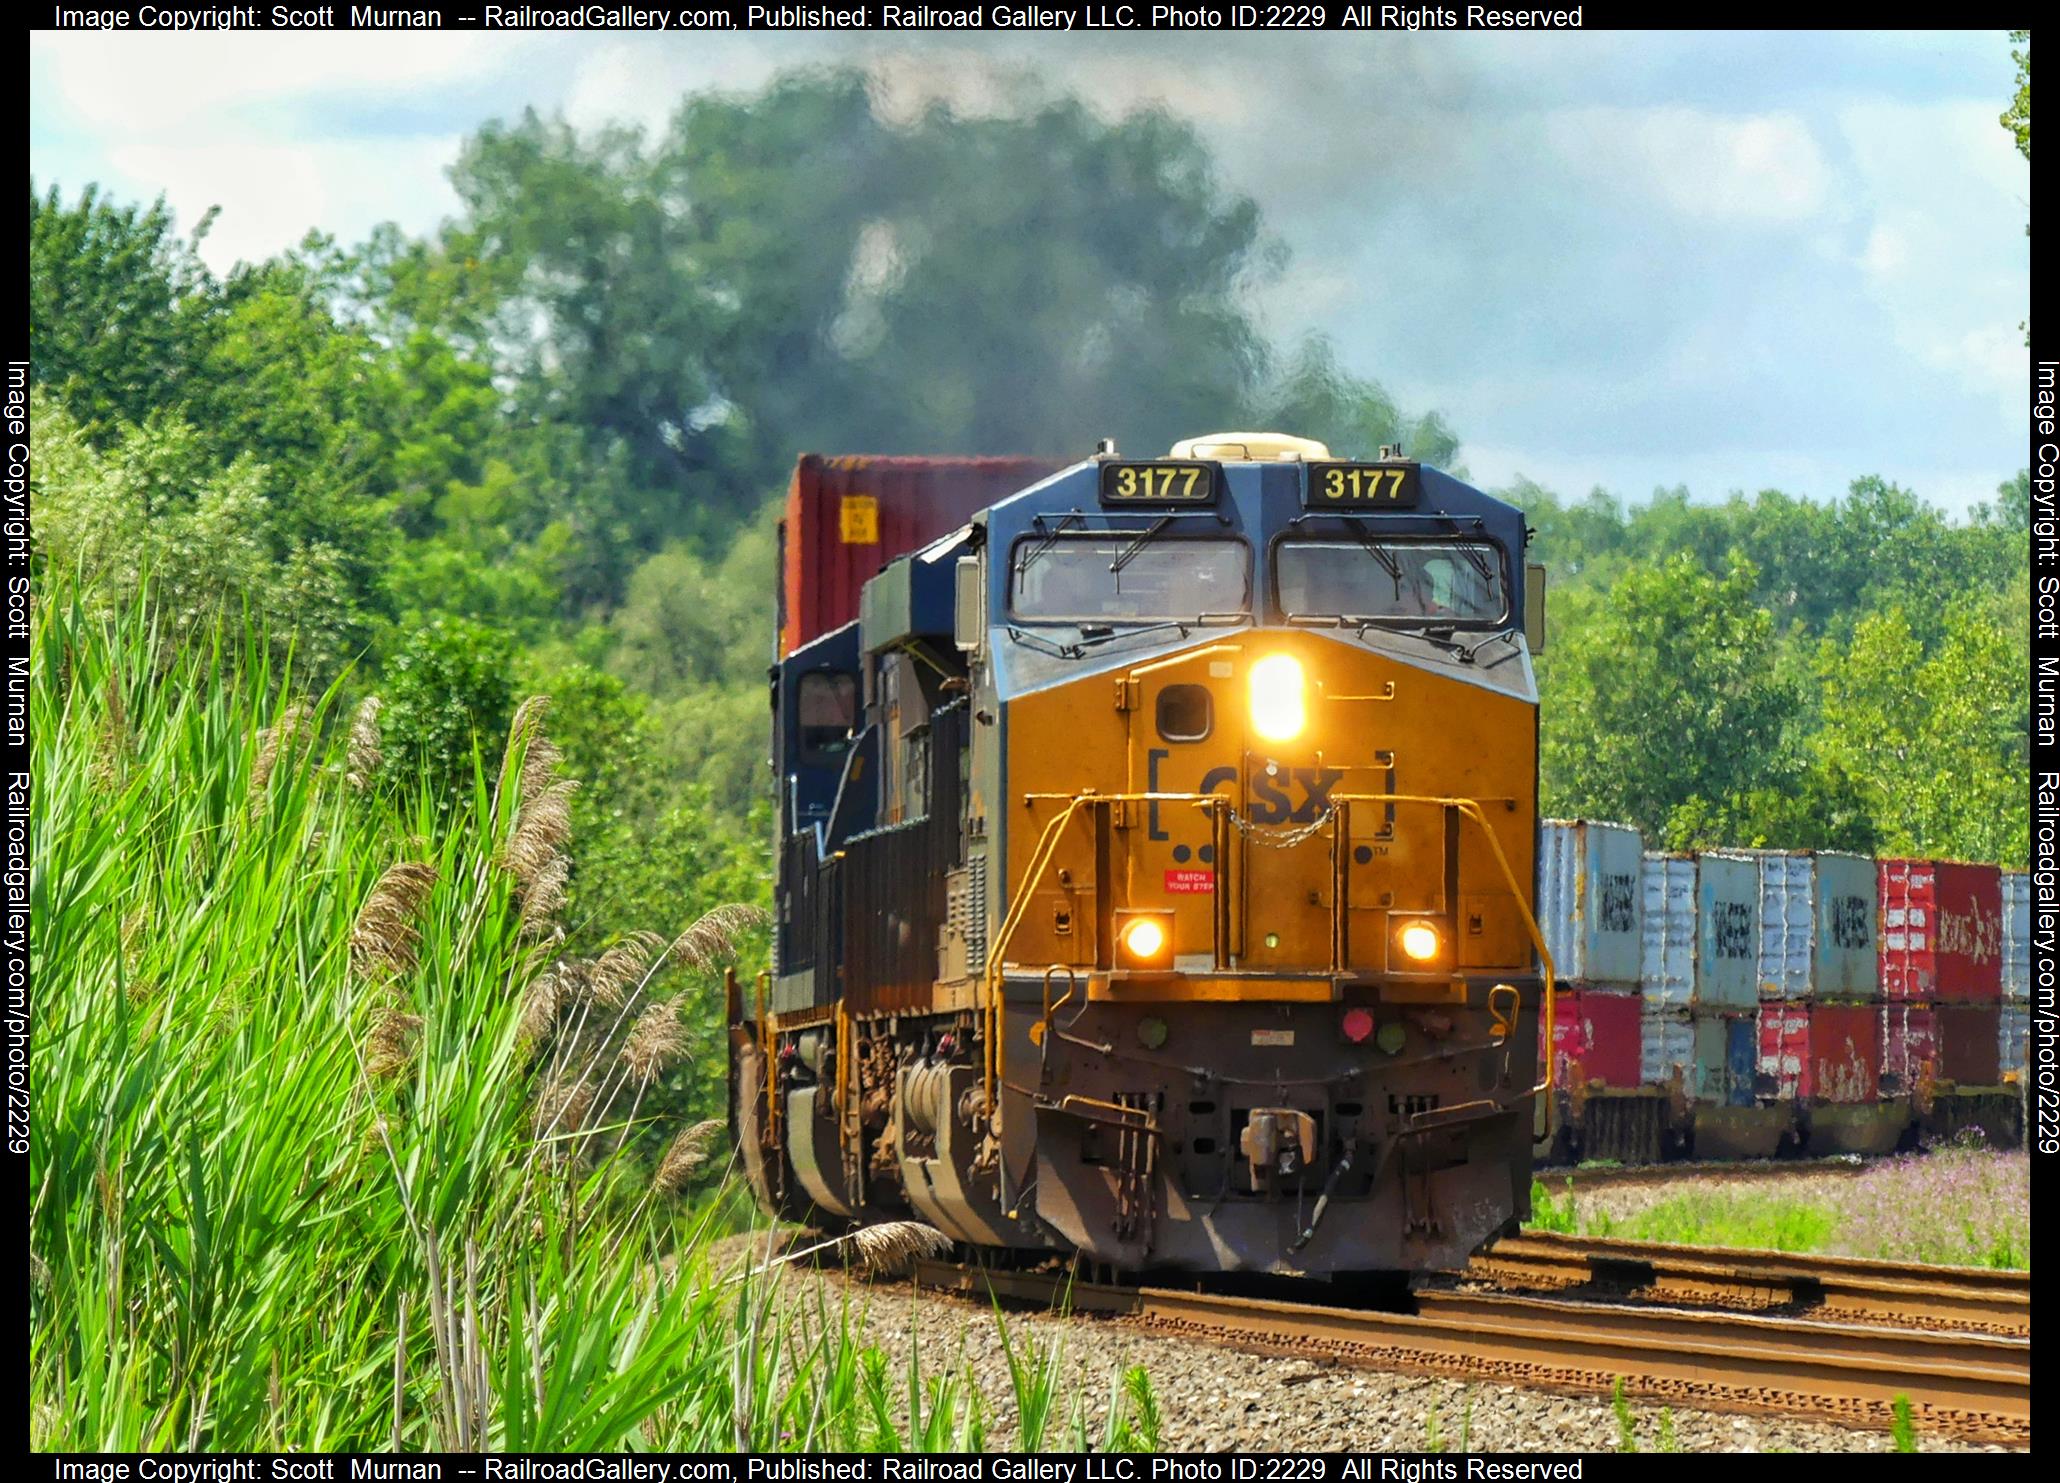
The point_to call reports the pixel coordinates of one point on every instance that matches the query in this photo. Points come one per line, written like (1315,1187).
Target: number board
(1161,483)
(1363,486)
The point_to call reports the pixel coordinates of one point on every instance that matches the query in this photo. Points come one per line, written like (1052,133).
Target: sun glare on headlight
(1144,938)
(1420,941)
(1278,712)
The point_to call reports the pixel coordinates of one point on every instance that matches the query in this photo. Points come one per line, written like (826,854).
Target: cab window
(826,709)
(1458,583)
(1128,578)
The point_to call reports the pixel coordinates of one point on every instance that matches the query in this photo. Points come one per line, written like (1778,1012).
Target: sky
(1625,260)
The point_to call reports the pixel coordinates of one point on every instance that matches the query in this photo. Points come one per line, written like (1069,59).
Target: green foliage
(214,538)
(449,691)
(1667,1442)
(1721,673)
(1627,1423)
(1668,710)
(1550,1214)
(1903,1429)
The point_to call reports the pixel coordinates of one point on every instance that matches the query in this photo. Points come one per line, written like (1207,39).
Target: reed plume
(688,1155)
(363,755)
(384,938)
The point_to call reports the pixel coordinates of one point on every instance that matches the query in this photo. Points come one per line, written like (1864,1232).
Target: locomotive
(1156,873)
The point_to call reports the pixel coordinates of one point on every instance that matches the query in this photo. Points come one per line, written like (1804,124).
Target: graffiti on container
(1619,906)
(1974,935)
(1849,926)
(1731,922)
(1843,1077)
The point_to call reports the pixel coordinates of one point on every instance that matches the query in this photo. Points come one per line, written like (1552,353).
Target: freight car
(1156,863)
(1750,1003)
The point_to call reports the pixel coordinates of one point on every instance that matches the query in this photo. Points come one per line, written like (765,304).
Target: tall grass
(289,1186)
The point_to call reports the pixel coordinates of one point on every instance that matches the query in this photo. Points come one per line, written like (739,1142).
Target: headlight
(1144,939)
(1278,713)
(1419,941)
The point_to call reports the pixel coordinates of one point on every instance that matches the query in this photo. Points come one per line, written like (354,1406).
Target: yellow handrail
(995,1061)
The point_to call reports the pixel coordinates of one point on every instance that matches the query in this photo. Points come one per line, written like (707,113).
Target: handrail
(995,1061)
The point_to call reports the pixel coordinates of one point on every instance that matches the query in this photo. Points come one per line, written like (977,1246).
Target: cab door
(1185,736)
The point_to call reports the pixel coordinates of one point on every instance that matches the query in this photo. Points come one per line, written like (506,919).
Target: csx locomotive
(1156,875)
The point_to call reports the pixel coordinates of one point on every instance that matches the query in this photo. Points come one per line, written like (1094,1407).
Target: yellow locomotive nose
(1278,708)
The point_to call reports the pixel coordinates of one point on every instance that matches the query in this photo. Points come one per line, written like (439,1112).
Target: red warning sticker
(1190,882)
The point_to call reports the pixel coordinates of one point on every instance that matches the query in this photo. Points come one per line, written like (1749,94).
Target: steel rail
(1848,1289)
(1971,1386)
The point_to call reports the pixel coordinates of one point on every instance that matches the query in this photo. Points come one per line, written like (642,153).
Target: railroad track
(1840,1289)
(1973,1386)
(1554,1176)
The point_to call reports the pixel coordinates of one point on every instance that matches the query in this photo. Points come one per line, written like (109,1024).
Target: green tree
(1666,707)
(1935,740)
(449,692)
(119,317)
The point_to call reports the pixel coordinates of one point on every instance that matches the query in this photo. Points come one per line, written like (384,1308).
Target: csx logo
(1274,804)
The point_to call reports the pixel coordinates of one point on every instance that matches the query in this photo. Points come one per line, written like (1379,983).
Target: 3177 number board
(1158,483)
(1363,486)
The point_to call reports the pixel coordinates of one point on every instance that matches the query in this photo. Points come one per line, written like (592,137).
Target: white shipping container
(2013,1031)
(2016,938)
(1667,962)
(1727,932)
(1666,1046)
(1588,883)
(1817,911)
(1788,919)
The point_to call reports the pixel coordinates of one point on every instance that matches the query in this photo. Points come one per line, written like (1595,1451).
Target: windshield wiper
(1050,537)
(1144,538)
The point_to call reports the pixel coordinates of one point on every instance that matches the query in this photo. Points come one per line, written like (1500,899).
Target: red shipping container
(1969,1044)
(848,516)
(1941,932)
(1821,1052)
(1909,1048)
(1595,1037)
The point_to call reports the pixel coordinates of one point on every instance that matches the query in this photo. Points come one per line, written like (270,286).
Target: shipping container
(1817,913)
(1595,1039)
(1666,972)
(1969,1044)
(1588,885)
(1666,1046)
(2013,1036)
(1909,1050)
(2016,914)
(1821,1052)
(1727,931)
(1726,1049)
(1941,931)
(848,516)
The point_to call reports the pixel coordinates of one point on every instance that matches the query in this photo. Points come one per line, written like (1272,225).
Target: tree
(119,318)
(1665,706)
(2017,117)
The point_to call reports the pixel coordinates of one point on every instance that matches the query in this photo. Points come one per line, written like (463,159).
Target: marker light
(1420,941)
(1278,713)
(1144,939)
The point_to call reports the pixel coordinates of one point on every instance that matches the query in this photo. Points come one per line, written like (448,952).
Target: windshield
(1128,578)
(1457,582)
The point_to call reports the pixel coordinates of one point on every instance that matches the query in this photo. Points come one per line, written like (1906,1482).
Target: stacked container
(1942,951)
(1818,974)
(2014,1022)
(1588,908)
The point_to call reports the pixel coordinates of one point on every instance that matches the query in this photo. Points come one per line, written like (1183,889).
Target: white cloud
(1761,168)
(345,187)
(148,83)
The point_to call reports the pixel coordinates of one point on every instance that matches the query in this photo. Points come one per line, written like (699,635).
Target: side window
(826,709)
(1184,713)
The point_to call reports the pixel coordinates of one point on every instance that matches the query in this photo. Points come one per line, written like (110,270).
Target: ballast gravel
(1214,1399)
